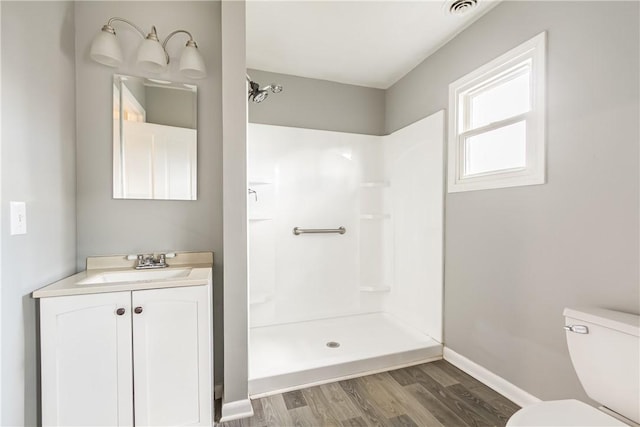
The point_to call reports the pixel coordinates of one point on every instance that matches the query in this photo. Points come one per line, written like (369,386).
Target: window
(496,122)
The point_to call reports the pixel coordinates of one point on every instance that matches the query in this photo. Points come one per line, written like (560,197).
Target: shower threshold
(295,355)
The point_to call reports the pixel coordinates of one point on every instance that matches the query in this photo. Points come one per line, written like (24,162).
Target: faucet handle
(140,260)
(150,260)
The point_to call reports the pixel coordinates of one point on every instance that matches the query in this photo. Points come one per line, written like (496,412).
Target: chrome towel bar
(298,231)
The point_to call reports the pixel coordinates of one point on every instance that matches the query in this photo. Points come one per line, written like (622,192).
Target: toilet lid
(562,413)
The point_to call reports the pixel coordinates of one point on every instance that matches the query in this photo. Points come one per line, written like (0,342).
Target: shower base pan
(295,355)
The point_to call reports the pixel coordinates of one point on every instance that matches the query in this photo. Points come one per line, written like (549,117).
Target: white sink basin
(135,276)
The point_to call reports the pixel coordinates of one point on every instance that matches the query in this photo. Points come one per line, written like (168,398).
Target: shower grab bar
(298,231)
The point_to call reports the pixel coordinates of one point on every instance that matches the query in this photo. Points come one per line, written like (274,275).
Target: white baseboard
(236,410)
(499,384)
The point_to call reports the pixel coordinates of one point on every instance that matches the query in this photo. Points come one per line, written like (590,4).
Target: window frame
(530,54)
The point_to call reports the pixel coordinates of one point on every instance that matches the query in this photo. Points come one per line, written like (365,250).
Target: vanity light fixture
(152,55)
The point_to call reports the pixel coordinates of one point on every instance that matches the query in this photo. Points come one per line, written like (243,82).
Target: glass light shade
(106,50)
(152,57)
(192,63)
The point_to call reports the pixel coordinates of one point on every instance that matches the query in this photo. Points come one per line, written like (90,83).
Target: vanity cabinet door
(86,360)
(172,354)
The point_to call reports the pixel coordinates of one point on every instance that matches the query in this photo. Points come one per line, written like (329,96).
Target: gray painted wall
(319,104)
(137,89)
(108,226)
(38,166)
(516,257)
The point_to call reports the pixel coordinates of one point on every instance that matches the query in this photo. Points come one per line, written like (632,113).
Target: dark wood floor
(432,394)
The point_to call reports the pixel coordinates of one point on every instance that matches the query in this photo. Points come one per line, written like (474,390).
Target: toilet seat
(562,413)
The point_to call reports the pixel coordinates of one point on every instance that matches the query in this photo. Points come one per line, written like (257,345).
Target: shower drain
(333,344)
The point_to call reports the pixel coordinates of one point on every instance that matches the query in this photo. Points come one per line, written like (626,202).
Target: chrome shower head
(255,94)
(258,94)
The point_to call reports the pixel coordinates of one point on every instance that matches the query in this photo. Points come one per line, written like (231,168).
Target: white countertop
(200,274)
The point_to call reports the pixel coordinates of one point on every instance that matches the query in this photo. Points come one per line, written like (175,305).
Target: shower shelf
(260,298)
(374,184)
(374,288)
(375,216)
(259,182)
(260,219)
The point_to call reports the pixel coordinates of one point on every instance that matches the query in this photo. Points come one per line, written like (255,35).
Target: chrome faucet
(150,261)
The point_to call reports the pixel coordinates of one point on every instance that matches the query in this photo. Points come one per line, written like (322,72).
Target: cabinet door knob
(137,310)
(120,311)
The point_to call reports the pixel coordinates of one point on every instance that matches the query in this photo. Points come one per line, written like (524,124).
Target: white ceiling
(365,43)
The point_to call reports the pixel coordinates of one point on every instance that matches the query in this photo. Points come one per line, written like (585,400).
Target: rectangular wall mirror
(154,139)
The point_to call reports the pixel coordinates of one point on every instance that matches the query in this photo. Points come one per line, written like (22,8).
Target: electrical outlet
(18,218)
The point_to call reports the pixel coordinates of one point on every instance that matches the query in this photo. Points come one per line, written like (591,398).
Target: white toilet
(605,351)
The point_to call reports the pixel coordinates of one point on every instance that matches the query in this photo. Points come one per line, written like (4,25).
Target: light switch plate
(18,217)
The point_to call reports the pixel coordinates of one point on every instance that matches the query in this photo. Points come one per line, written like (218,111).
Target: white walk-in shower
(329,305)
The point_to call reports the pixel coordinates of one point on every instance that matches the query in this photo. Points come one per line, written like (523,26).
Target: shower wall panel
(388,194)
(414,167)
(309,179)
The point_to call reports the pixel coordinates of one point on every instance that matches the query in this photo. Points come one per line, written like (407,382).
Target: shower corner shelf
(374,288)
(375,216)
(261,218)
(259,182)
(260,298)
(374,184)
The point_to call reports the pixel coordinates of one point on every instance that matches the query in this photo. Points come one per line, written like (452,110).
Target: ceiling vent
(459,7)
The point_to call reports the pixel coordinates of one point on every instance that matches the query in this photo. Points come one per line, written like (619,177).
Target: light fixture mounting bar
(126,21)
(191,42)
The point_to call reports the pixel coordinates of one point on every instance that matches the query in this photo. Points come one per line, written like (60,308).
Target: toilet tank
(606,357)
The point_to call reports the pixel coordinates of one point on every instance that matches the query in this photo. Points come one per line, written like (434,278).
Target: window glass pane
(503,148)
(502,101)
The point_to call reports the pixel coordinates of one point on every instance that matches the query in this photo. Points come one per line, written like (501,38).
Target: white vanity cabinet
(141,357)
(172,357)
(85,351)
